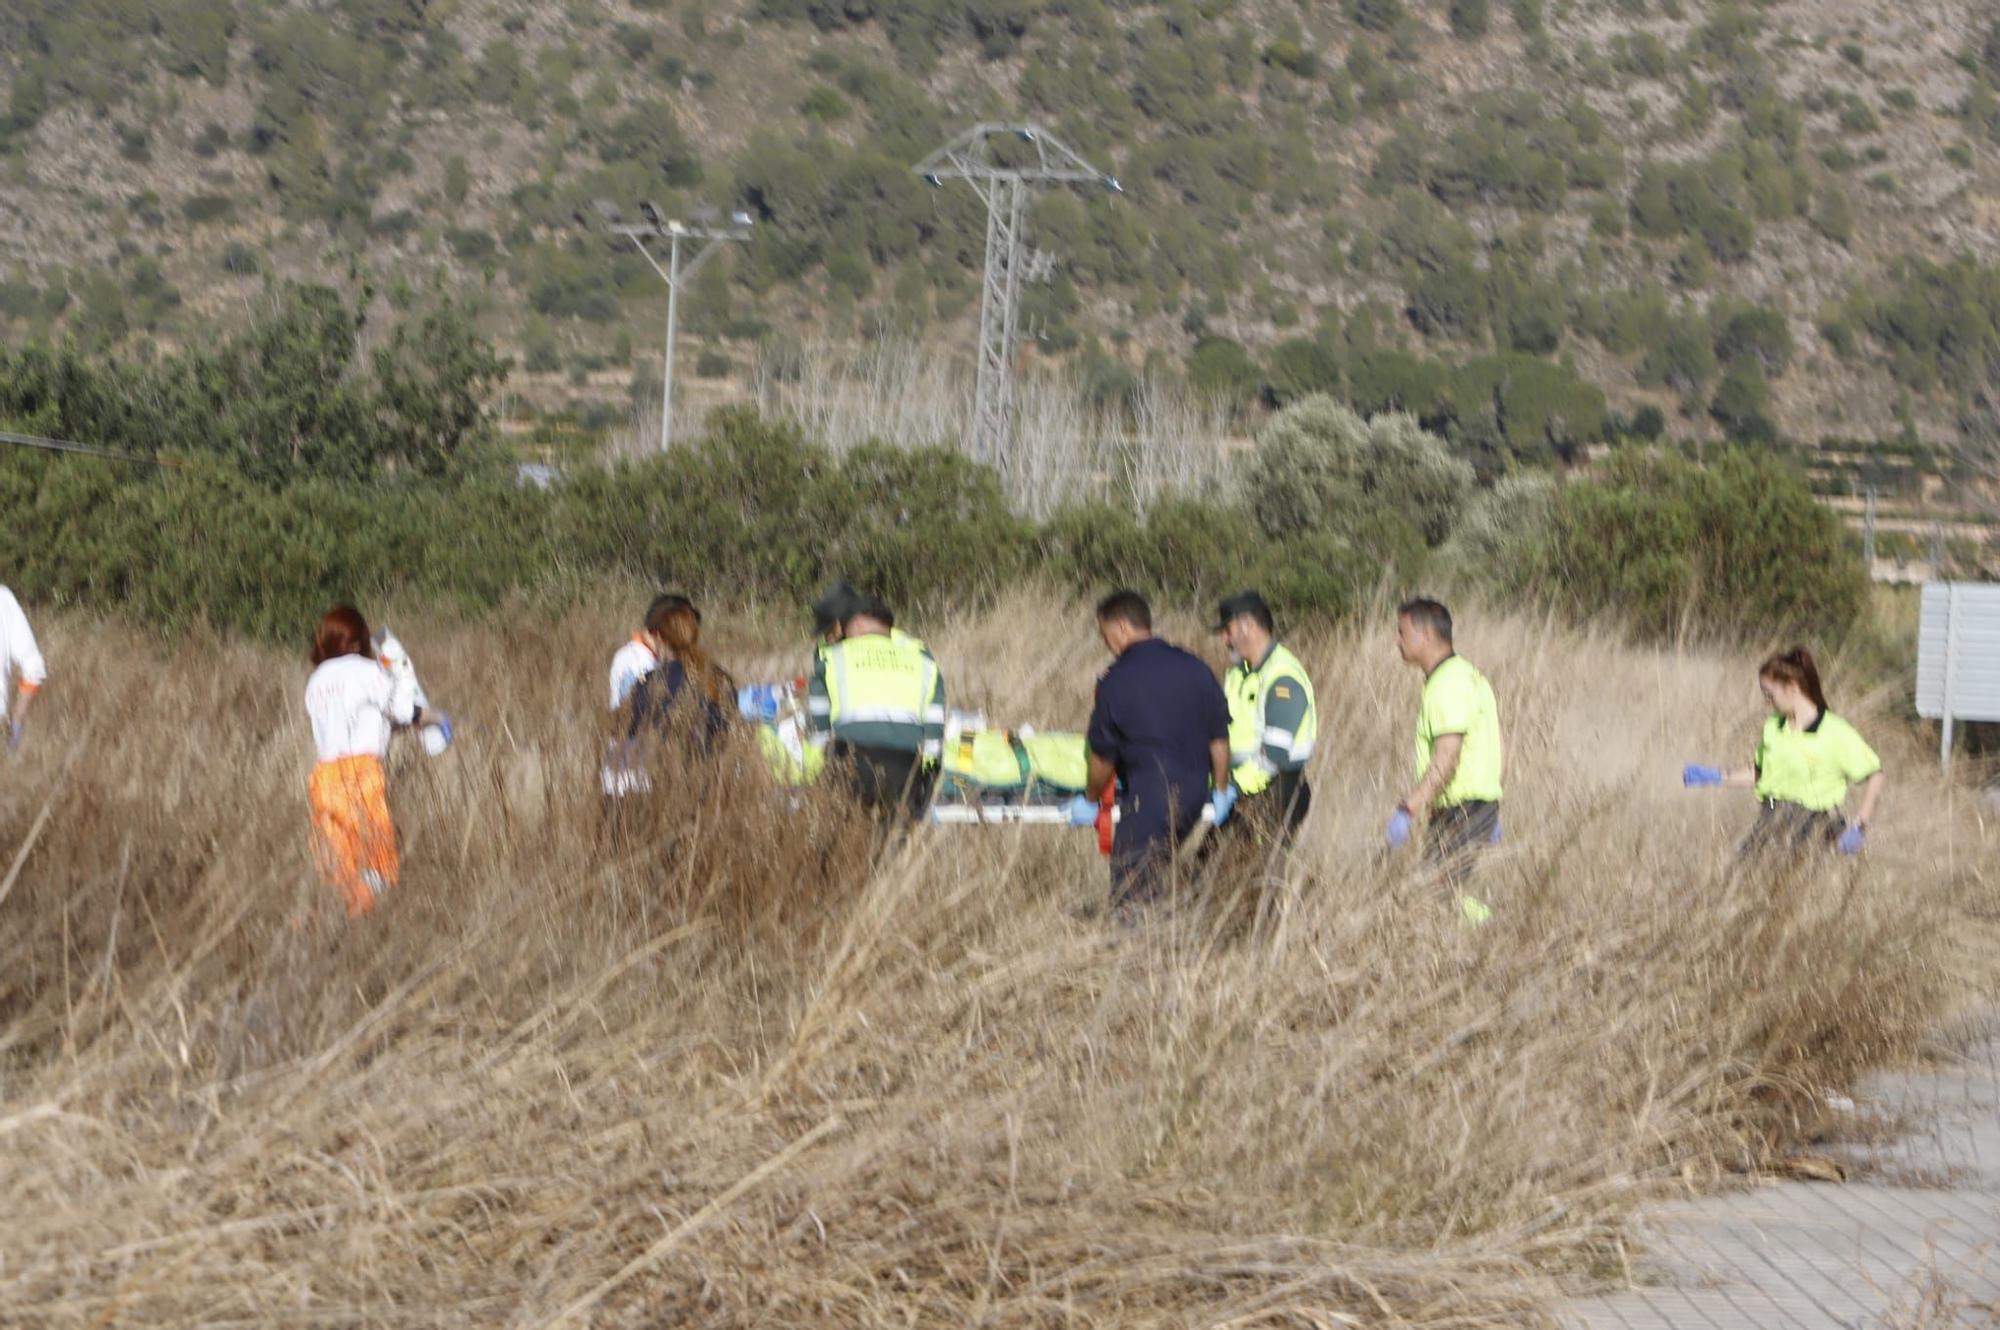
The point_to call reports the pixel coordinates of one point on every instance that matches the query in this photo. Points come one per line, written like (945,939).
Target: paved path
(1912,1241)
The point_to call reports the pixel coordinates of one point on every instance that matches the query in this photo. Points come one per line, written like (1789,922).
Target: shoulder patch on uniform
(1281,690)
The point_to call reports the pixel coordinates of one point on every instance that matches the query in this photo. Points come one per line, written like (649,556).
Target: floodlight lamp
(1111,184)
(930,178)
(741,218)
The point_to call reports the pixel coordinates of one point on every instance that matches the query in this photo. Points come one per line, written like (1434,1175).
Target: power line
(80,449)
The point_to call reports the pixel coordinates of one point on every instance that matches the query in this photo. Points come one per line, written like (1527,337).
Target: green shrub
(1743,401)
(1755,332)
(1684,360)
(205,208)
(1376,15)
(1856,118)
(1299,367)
(1318,467)
(825,103)
(1502,540)
(1220,368)
(1739,546)
(1470,19)
(470,246)
(1521,408)
(1287,54)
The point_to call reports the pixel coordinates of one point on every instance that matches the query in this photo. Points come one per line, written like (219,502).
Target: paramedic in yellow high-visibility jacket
(877,703)
(1273,720)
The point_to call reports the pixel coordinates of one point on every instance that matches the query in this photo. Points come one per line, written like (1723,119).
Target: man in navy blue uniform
(1160,725)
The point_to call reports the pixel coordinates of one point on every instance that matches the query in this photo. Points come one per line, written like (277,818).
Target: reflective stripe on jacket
(878,691)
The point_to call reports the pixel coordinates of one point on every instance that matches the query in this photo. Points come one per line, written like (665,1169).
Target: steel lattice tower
(1003,163)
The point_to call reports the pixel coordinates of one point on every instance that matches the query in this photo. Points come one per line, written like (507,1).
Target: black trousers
(1280,809)
(1783,826)
(1456,835)
(883,780)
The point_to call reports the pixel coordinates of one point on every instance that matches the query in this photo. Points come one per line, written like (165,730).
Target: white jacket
(17,649)
(629,664)
(353,703)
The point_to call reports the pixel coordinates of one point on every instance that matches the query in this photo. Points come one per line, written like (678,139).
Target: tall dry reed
(1165,443)
(721,1069)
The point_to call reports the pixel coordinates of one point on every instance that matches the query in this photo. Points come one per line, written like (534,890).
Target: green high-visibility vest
(879,692)
(1273,719)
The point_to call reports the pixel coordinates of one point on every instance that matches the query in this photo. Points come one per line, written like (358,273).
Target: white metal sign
(1958,655)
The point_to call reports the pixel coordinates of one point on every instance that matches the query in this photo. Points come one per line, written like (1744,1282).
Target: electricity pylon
(1004,162)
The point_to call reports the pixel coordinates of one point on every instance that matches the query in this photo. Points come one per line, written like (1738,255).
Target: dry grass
(1169,443)
(724,1073)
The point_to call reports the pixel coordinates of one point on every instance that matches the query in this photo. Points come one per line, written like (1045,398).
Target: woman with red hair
(1806,760)
(353,703)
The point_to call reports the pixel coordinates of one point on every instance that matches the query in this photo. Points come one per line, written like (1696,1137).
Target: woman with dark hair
(353,703)
(1806,760)
(687,696)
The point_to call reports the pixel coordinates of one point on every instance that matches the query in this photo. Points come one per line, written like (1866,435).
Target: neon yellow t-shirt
(1812,767)
(1458,700)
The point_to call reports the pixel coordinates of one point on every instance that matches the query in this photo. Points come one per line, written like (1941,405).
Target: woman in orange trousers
(353,703)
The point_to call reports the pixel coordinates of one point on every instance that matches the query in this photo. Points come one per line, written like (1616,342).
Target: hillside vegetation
(727,1073)
(1534,223)
(274,471)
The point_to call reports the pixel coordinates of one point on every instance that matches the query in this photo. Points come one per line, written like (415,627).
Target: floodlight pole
(1004,187)
(673,274)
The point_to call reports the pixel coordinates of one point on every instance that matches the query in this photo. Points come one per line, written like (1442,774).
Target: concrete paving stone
(1819,1255)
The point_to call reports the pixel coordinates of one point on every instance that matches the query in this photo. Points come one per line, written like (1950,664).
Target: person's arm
(1871,791)
(1101,774)
(1284,713)
(1741,778)
(934,713)
(819,703)
(1101,743)
(400,698)
(1445,752)
(1218,732)
(18,641)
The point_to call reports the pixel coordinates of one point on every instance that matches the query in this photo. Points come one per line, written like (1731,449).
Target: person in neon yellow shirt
(1459,756)
(1807,760)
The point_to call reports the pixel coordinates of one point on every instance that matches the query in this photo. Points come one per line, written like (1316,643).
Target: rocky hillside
(1537,223)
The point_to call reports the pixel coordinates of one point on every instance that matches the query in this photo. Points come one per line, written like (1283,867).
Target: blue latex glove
(1494,839)
(15,729)
(1696,774)
(1851,839)
(758,701)
(1082,811)
(1221,802)
(1401,824)
(444,727)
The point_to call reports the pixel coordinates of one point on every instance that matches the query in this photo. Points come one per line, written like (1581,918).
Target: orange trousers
(354,842)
